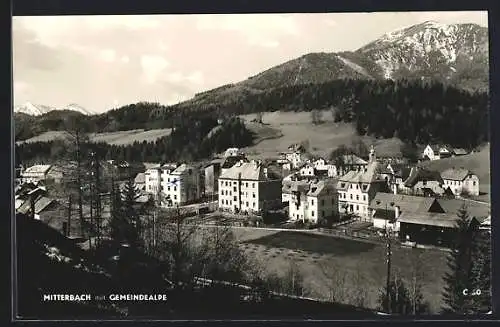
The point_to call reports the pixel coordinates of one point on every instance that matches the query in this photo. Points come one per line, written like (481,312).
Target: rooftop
(37,169)
(455,174)
(445,220)
(140,178)
(406,203)
(352,159)
(250,171)
(364,176)
(420,174)
(475,209)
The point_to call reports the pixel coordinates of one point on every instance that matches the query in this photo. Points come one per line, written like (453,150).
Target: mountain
(78,108)
(453,54)
(450,53)
(31,109)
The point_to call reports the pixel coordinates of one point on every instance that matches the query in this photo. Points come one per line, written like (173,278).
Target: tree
(118,225)
(481,271)
(316,117)
(259,117)
(410,152)
(418,305)
(133,225)
(460,267)
(336,283)
(400,302)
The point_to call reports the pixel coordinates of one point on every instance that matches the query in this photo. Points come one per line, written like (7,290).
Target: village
(349,196)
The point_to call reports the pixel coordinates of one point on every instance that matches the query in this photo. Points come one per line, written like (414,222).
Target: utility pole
(69,215)
(388,255)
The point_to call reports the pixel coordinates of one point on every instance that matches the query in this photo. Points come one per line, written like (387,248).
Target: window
(253,204)
(234,188)
(253,184)
(351,196)
(357,197)
(246,184)
(235,198)
(246,204)
(168,188)
(312,201)
(424,183)
(235,183)
(357,207)
(364,197)
(312,213)
(474,183)
(175,188)
(253,195)
(175,197)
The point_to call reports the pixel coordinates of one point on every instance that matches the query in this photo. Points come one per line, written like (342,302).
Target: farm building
(460,181)
(386,208)
(436,152)
(438,229)
(422,182)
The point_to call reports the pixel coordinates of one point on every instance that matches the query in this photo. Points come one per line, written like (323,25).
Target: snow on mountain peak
(38,110)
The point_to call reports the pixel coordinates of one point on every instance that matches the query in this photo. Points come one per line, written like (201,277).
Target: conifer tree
(400,298)
(460,268)
(481,271)
(129,196)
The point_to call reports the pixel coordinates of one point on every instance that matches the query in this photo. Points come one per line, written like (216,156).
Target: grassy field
(275,251)
(478,162)
(281,129)
(116,138)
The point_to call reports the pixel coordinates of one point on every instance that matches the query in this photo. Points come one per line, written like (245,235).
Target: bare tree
(316,117)
(358,294)
(336,282)
(418,305)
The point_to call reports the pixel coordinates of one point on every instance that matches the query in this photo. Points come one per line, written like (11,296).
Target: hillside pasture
(131,136)
(296,127)
(114,138)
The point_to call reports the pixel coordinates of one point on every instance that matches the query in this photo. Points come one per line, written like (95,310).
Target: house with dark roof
(456,152)
(438,229)
(422,182)
(461,181)
(386,208)
(229,162)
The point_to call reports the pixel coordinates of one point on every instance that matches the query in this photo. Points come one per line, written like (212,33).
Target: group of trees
(468,282)
(415,111)
(191,139)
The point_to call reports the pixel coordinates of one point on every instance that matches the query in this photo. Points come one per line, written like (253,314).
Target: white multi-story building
(323,165)
(311,201)
(249,187)
(176,184)
(357,188)
(460,180)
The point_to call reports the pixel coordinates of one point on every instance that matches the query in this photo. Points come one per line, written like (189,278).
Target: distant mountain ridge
(31,109)
(453,54)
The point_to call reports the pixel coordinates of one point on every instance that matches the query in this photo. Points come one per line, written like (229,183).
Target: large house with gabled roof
(249,187)
(460,181)
(357,188)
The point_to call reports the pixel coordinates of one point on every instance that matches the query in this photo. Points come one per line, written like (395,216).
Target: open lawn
(275,250)
(281,129)
(116,138)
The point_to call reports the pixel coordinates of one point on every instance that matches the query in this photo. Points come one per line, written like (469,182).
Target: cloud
(108,55)
(153,66)
(259,29)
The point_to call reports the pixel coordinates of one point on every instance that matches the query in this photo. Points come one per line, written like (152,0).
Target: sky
(103,62)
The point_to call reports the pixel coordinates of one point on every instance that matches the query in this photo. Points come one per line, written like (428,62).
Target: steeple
(372,156)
